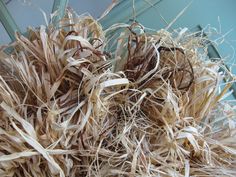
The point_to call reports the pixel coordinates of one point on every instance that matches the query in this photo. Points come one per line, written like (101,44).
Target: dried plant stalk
(151,108)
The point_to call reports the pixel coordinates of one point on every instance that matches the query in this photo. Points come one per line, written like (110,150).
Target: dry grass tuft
(151,108)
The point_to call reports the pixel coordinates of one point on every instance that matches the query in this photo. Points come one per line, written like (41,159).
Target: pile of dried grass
(151,108)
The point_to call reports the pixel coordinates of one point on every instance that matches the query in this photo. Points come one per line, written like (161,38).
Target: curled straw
(151,108)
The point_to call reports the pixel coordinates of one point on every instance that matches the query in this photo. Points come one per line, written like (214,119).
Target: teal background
(220,14)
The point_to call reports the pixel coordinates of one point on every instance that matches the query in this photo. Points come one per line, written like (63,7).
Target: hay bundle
(151,108)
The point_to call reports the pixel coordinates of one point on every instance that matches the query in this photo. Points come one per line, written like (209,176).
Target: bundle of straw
(70,107)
